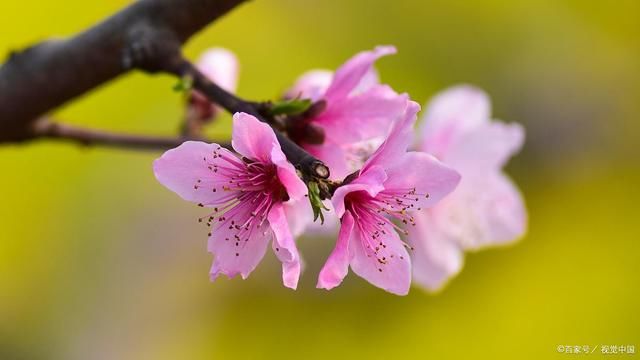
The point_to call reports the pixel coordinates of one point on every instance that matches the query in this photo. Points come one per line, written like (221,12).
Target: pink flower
(486,208)
(220,66)
(391,184)
(358,110)
(247,194)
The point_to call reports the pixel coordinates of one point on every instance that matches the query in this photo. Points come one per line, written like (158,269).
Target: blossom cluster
(408,203)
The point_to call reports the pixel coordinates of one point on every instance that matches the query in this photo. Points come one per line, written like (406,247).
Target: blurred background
(98,261)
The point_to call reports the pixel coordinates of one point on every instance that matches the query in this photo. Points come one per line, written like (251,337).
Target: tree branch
(47,129)
(148,36)
(305,162)
(47,75)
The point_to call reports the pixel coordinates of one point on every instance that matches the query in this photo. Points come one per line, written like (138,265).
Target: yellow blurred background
(98,261)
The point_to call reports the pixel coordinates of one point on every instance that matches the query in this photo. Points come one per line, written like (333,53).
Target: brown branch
(46,129)
(49,74)
(148,36)
(305,162)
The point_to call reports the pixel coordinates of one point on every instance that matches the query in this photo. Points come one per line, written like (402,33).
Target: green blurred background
(98,261)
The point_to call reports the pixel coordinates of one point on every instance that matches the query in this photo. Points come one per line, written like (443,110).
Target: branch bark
(47,129)
(148,36)
(305,162)
(49,74)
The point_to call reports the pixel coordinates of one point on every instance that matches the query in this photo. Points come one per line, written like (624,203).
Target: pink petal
(484,211)
(431,179)
(296,189)
(435,257)
(398,141)
(253,139)
(357,153)
(311,85)
(337,265)
(234,255)
(187,171)
(389,267)
(333,155)
(356,118)
(349,75)
(485,148)
(507,214)
(370,181)
(299,215)
(450,114)
(257,141)
(284,246)
(221,66)
(369,80)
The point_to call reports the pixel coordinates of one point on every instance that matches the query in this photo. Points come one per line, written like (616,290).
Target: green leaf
(185,84)
(290,107)
(316,202)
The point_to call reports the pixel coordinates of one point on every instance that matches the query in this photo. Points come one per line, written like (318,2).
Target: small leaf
(185,84)
(316,202)
(290,107)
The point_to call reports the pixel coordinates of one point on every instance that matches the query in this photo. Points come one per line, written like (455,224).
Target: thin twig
(305,162)
(42,77)
(47,129)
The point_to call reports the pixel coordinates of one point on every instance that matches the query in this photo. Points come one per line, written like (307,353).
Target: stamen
(250,190)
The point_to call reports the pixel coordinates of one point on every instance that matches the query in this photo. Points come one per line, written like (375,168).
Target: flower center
(250,189)
(374,217)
